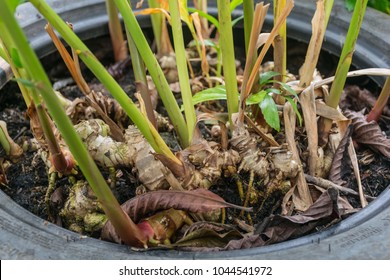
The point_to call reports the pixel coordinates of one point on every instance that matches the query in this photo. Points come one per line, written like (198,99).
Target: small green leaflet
(265,101)
(265,77)
(263,98)
(270,112)
(234,4)
(215,93)
(295,108)
(350,4)
(236,20)
(256,98)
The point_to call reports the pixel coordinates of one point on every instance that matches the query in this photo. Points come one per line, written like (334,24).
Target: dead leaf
(359,99)
(199,200)
(248,241)
(210,235)
(301,196)
(324,210)
(318,24)
(341,161)
(368,133)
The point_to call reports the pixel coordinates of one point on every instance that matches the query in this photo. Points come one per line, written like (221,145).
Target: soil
(27,179)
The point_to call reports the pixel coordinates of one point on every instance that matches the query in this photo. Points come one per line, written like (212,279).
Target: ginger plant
(200,164)
(41,84)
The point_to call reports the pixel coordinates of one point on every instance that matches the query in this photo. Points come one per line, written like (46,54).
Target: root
(135,152)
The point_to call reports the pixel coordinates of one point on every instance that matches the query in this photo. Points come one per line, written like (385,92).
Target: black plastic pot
(365,235)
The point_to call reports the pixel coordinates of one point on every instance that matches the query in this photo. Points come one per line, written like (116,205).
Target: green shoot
(18,73)
(228,57)
(160,31)
(280,42)
(156,72)
(140,79)
(101,73)
(11,149)
(380,104)
(62,163)
(4,138)
(343,67)
(263,98)
(248,6)
(181,62)
(380,5)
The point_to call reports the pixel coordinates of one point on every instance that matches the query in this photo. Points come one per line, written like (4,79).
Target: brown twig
(326,184)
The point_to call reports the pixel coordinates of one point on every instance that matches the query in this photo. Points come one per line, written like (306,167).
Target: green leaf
(16,58)
(265,77)
(273,90)
(210,18)
(295,108)
(350,4)
(236,20)
(380,5)
(215,93)
(288,89)
(234,4)
(256,98)
(270,112)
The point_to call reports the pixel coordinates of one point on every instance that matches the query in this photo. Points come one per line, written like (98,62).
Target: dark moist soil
(27,180)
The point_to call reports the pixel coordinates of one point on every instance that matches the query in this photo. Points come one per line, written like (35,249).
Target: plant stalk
(381,102)
(228,57)
(157,21)
(140,78)
(155,71)
(101,73)
(280,42)
(343,67)
(181,63)
(60,164)
(248,7)
(18,73)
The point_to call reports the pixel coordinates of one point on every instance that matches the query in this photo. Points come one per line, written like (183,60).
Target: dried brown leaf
(368,133)
(249,241)
(199,200)
(359,99)
(328,207)
(324,210)
(341,161)
(301,195)
(209,235)
(318,24)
